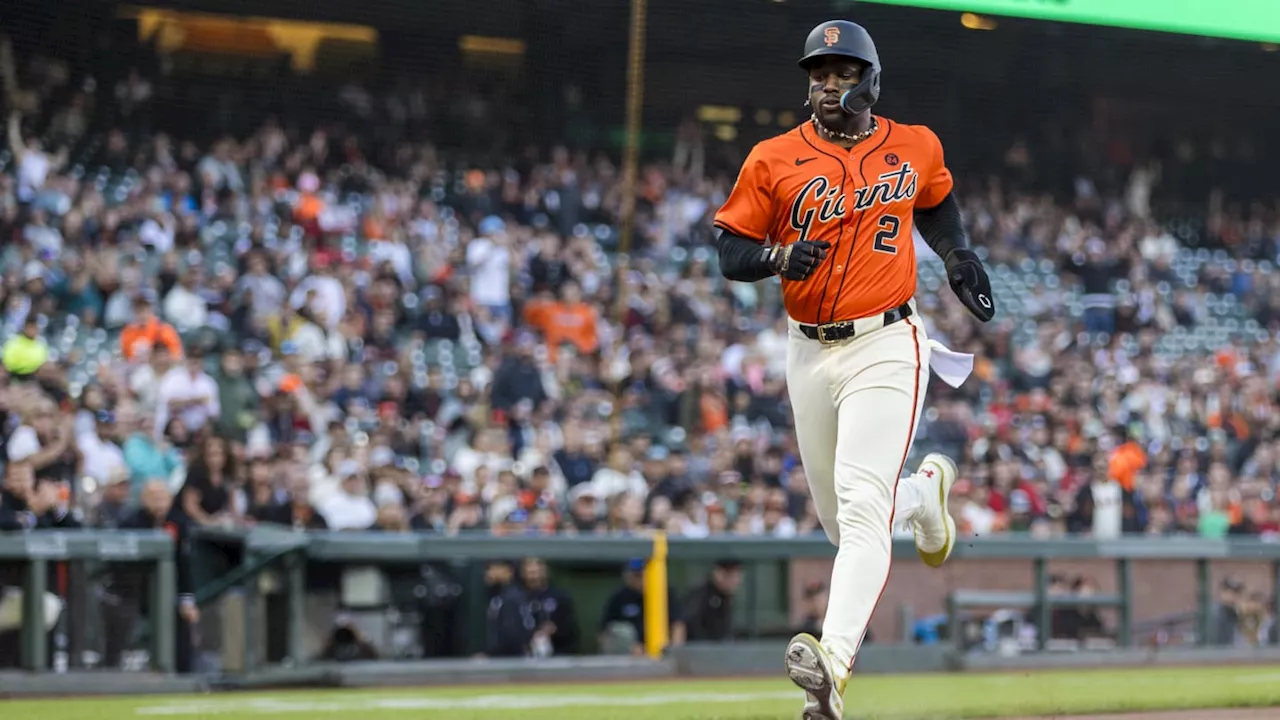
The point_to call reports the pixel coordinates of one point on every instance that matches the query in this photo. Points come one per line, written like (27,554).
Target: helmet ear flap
(864,95)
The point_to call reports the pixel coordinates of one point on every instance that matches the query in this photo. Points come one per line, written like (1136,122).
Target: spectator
(553,610)
(347,643)
(467,515)
(584,510)
(127,591)
(569,321)
(187,393)
(438,321)
(147,332)
(205,497)
(622,630)
(147,457)
(260,291)
(320,296)
(350,508)
(1226,613)
(391,518)
(511,626)
(489,264)
(44,438)
(619,475)
(814,609)
(1254,620)
(1081,622)
(238,402)
(103,459)
(297,512)
(518,377)
(25,353)
(708,610)
(114,509)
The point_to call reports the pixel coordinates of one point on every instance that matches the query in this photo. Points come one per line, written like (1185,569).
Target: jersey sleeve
(749,209)
(935,180)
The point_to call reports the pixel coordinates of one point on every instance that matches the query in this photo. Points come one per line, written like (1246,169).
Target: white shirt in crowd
(185,310)
(45,238)
(23,443)
(179,384)
(772,345)
(144,383)
(490,266)
(786,527)
(608,482)
(329,303)
(397,254)
(33,170)
(314,345)
(268,293)
(343,511)
(221,172)
(467,460)
(102,459)
(158,234)
(1108,509)
(980,518)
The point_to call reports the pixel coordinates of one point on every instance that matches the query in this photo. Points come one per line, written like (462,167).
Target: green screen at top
(1240,19)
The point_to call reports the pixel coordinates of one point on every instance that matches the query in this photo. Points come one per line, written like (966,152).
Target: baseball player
(830,208)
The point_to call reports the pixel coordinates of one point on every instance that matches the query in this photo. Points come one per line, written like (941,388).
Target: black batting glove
(970,283)
(798,260)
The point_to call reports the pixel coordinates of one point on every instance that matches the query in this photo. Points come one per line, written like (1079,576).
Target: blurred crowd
(302,327)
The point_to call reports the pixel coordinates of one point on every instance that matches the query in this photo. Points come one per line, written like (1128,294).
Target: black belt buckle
(835,332)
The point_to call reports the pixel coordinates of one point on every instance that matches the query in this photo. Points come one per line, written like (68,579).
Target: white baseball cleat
(809,667)
(935,530)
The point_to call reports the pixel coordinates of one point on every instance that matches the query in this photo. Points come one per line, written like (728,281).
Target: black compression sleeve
(742,259)
(940,226)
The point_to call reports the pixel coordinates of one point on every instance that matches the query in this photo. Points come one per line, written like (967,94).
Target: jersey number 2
(889,225)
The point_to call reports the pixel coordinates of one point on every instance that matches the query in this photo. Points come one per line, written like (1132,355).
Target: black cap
(842,38)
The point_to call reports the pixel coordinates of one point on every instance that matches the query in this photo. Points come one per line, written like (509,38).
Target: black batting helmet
(851,40)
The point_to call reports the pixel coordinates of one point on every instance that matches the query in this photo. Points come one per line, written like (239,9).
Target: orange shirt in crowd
(1125,463)
(144,336)
(375,228)
(714,411)
(559,322)
(309,208)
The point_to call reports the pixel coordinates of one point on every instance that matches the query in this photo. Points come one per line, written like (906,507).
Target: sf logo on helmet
(832,36)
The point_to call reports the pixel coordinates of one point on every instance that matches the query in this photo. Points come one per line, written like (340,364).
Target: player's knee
(864,507)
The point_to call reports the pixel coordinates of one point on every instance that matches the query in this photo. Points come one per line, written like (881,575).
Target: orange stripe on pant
(906,450)
(856,404)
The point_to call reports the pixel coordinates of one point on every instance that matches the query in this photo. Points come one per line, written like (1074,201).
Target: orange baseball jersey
(800,186)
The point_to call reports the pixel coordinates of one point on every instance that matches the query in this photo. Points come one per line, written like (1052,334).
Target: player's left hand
(970,283)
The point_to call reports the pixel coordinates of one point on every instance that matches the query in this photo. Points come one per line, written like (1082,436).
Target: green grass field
(882,697)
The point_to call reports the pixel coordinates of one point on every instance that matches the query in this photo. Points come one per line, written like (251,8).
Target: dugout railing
(247,556)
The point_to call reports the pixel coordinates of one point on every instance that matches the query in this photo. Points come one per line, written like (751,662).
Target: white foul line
(279,706)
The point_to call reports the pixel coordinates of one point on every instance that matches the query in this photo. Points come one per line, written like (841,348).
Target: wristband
(770,253)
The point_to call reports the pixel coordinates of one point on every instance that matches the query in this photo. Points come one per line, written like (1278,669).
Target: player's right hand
(798,260)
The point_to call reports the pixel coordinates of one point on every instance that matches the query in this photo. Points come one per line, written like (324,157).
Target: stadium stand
(409,342)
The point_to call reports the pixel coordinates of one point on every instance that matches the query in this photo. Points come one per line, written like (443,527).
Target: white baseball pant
(857,404)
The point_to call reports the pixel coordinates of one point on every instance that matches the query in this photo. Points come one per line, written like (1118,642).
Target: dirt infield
(1225,714)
